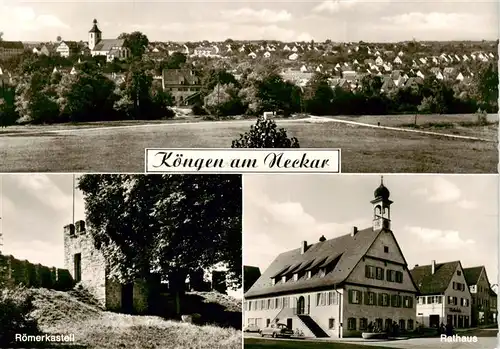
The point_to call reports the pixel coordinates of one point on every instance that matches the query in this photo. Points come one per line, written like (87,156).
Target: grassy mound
(76,313)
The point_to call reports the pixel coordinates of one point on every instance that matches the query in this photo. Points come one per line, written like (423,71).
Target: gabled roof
(437,283)
(472,275)
(108,44)
(349,248)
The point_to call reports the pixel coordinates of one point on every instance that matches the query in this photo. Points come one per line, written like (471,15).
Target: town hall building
(110,48)
(337,287)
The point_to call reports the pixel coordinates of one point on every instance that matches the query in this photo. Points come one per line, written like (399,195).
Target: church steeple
(381,207)
(94,35)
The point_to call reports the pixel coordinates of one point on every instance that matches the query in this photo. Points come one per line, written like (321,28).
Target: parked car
(277,330)
(251,328)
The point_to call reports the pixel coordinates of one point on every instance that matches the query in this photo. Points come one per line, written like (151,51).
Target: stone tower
(87,266)
(94,35)
(85,263)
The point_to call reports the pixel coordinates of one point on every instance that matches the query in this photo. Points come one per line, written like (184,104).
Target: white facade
(454,306)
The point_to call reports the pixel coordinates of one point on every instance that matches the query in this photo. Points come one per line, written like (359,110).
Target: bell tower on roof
(381,207)
(94,35)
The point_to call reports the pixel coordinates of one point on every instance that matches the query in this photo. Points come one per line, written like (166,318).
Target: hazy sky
(434,217)
(35,208)
(338,20)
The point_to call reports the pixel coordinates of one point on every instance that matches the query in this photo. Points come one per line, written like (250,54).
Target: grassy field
(254,343)
(121,149)
(66,313)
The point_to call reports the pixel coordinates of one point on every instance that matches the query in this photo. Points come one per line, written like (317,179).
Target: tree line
(44,96)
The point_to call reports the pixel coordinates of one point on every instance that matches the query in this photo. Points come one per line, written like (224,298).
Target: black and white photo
(401,260)
(399,86)
(110,261)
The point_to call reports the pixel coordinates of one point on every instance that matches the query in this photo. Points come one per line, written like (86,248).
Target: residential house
(337,287)
(202,51)
(67,48)
(252,55)
(398,60)
(293,57)
(379,61)
(479,287)
(267,54)
(388,85)
(444,296)
(110,48)
(183,84)
(10,49)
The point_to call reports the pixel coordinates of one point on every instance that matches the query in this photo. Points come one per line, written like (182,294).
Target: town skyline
(433,212)
(339,21)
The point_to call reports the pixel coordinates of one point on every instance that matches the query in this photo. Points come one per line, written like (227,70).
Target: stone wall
(17,272)
(77,240)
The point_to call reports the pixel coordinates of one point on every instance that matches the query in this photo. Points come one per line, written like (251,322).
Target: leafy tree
(136,41)
(35,100)
(265,134)
(319,95)
(371,85)
(224,101)
(175,61)
(278,95)
(486,87)
(216,77)
(138,84)
(86,96)
(165,224)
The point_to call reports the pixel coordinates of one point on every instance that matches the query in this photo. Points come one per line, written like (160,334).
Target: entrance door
(460,321)
(289,323)
(301,305)
(434,321)
(449,320)
(128,298)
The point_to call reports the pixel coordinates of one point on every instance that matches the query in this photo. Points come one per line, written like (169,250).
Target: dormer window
(295,277)
(273,281)
(283,279)
(322,272)
(309,274)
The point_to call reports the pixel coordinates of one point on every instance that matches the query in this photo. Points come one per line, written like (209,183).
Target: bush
(16,305)
(265,134)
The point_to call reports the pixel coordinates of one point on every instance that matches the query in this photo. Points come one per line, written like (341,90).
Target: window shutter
(400,301)
(350,296)
(367,298)
(393,300)
(380,300)
(367,271)
(388,275)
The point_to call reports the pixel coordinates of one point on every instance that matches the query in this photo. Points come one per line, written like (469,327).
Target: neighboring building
(68,48)
(10,48)
(183,84)
(110,48)
(251,275)
(202,51)
(87,266)
(444,295)
(337,287)
(479,287)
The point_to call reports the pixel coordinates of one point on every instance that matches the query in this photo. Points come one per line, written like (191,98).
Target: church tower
(381,207)
(94,35)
